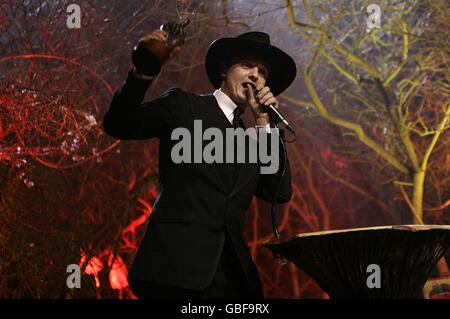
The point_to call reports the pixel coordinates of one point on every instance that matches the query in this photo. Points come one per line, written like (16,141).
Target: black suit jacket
(197,204)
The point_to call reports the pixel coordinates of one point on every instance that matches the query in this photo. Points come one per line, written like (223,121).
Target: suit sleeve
(268,183)
(129,119)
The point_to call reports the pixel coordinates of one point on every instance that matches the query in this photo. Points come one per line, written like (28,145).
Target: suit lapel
(213,116)
(246,171)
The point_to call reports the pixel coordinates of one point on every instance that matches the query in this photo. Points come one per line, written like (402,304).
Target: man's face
(243,71)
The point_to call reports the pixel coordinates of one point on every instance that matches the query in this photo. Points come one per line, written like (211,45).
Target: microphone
(276,117)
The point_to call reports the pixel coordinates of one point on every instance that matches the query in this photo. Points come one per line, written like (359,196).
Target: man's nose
(254,74)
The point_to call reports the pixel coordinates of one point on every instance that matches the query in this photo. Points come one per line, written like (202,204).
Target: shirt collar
(226,104)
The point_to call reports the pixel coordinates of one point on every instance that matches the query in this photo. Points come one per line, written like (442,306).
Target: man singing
(193,246)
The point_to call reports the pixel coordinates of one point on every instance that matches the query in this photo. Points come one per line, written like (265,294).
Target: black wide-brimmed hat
(282,68)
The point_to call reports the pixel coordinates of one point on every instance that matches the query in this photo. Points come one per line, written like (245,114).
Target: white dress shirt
(227,106)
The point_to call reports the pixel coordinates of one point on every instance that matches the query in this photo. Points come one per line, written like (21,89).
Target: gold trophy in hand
(175,33)
(154,49)
(162,42)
